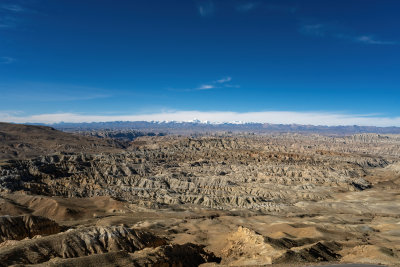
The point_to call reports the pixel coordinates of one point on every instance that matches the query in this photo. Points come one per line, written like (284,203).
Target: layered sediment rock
(78,243)
(116,245)
(220,173)
(27,226)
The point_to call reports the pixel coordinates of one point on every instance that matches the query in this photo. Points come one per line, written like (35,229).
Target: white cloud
(11,15)
(206,87)
(12,8)
(221,83)
(276,117)
(246,6)
(206,8)
(8,21)
(332,31)
(368,39)
(224,80)
(6,60)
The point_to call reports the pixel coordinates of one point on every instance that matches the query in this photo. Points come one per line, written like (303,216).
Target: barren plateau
(211,200)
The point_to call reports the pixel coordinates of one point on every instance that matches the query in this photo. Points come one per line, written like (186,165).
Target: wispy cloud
(209,7)
(231,85)
(206,87)
(6,60)
(281,8)
(244,7)
(277,117)
(7,21)
(369,39)
(224,80)
(13,13)
(313,29)
(331,31)
(12,8)
(220,83)
(206,8)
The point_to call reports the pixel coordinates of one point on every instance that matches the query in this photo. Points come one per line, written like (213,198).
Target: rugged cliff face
(27,226)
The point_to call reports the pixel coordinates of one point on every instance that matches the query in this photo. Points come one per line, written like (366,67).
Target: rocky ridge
(211,172)
(26,226)
(77,243)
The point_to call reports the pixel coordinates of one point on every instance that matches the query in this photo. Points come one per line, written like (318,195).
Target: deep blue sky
(104,57)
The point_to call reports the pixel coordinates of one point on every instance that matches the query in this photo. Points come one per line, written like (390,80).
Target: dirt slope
(18,141)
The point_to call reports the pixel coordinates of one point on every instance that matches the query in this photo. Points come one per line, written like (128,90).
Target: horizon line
(272,117)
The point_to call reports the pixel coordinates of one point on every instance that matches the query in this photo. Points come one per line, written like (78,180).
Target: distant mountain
(198,127)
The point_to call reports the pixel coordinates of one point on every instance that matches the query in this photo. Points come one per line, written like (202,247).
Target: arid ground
(210,200)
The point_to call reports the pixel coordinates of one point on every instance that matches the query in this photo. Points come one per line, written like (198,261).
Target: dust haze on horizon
(274,117)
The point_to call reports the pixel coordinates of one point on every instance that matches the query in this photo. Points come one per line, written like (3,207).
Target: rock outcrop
(27,226)
(78,243)
(116,245)
(167,255)
(246,247)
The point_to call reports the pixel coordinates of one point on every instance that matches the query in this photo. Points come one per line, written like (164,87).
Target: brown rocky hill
(19,141)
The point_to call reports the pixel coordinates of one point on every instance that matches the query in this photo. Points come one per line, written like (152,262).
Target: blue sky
(310,61)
